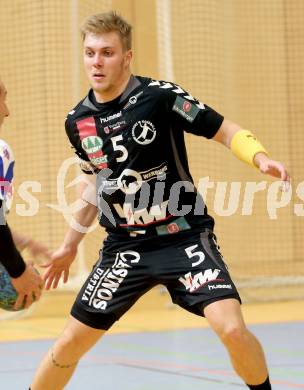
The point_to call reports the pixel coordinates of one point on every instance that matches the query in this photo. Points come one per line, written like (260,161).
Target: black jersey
(135,143)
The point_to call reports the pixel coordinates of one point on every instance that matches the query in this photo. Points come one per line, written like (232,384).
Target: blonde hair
(107,22)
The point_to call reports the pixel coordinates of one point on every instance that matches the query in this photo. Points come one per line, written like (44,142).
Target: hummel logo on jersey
(109,118)
(216,286)
(143,132)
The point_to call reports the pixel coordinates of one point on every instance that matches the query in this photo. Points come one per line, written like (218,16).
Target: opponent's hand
(273,168)
(59,266)
(28,286)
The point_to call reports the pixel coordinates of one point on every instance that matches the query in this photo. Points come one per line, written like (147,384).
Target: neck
(114,91)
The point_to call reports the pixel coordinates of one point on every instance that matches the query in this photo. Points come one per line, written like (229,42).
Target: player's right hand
(28,286)
(59,266)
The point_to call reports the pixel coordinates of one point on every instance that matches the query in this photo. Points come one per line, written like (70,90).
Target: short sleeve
(192,115)
(7,163)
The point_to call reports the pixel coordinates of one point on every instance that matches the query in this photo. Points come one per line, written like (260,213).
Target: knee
(233,334)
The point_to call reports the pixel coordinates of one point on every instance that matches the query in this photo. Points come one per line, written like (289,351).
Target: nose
(97,61)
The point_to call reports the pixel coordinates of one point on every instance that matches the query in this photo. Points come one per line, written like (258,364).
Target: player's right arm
(63,257)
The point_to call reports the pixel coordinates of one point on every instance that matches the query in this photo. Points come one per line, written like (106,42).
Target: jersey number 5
(120,148)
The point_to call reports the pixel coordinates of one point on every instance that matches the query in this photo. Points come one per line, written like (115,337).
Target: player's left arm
(245,146)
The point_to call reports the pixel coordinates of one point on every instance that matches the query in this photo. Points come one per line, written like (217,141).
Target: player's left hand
(272,168)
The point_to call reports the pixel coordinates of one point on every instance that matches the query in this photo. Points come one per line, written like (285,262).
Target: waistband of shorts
(177,225)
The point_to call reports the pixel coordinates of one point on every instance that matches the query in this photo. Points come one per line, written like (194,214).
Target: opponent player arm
(63,257)
(247,148)
(9,254)
(26,281)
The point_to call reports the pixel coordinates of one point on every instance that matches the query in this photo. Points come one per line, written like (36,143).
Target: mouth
(98,76)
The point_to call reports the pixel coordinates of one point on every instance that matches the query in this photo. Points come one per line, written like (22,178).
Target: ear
(128,57)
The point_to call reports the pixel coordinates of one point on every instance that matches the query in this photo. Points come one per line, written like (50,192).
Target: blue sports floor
(163,360)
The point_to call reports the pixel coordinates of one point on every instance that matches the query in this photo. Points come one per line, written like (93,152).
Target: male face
(3,107)
(106,63)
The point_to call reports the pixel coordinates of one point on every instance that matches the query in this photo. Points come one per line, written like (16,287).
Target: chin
(98,87)
(99,90)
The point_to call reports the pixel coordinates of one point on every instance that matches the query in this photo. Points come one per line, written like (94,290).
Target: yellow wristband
(245,146)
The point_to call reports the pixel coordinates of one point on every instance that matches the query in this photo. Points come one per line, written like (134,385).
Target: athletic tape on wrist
(245,146)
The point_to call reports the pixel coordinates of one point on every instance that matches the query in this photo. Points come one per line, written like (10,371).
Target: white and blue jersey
(7,163)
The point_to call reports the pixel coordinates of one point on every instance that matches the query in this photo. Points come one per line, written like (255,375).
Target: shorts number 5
(190,253)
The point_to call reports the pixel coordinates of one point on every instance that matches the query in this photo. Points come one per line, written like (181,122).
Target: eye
(89,53)
(108,53)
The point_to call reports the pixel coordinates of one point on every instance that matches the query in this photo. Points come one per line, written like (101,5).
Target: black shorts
(188,263)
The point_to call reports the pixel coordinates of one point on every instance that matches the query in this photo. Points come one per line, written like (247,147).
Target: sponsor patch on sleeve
(185,108)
